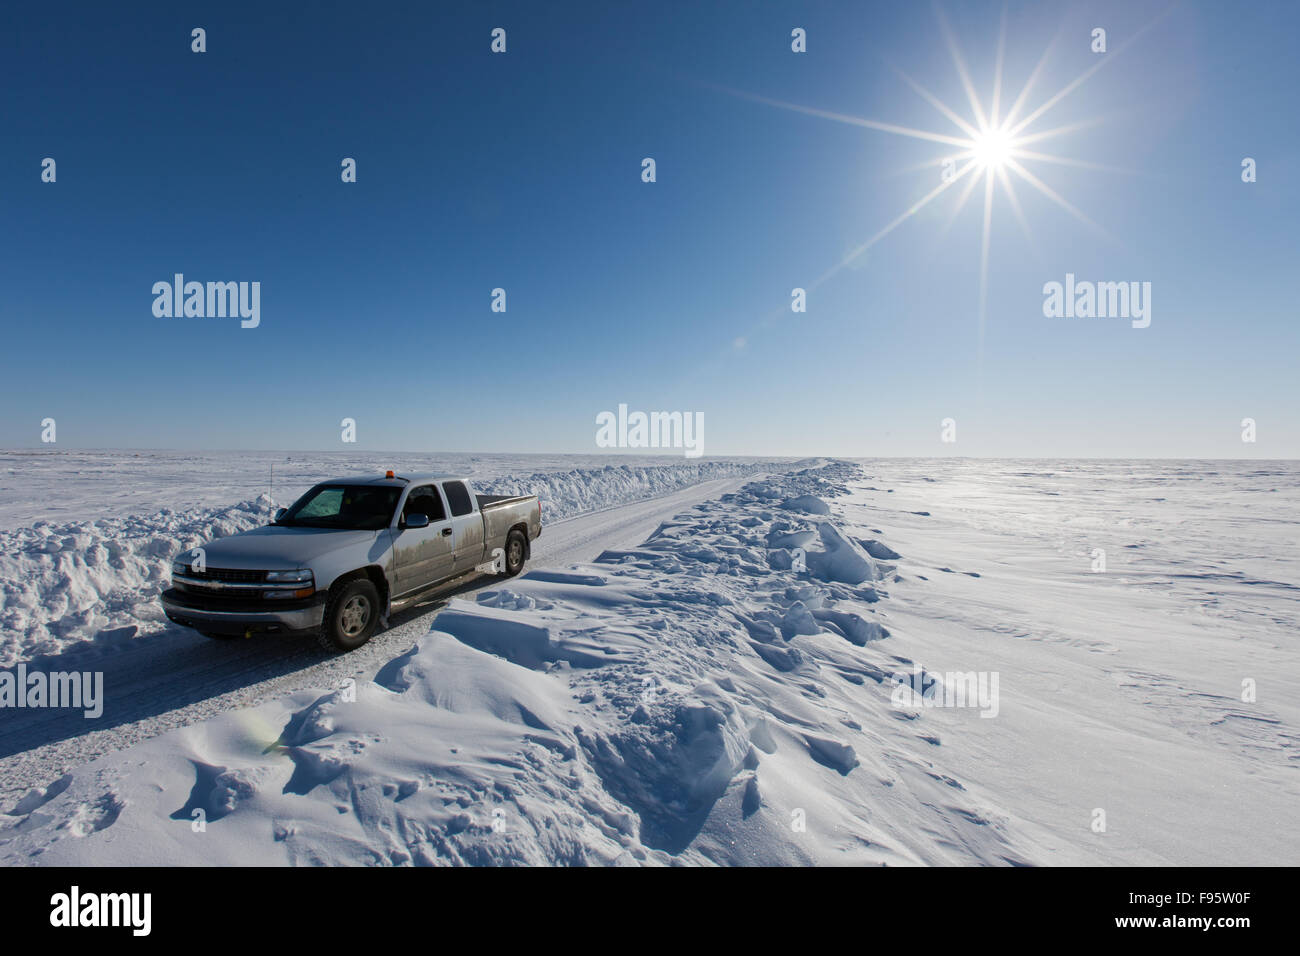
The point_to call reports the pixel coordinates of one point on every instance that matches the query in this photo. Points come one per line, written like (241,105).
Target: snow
(698,699)
(843,560)
(63,486)
(69,582)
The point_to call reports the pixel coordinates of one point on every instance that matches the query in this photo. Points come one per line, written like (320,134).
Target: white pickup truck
(347,554)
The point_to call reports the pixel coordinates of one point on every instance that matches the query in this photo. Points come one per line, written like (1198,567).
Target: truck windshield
(347,507)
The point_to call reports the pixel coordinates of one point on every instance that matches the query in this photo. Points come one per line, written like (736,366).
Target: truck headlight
(301,576)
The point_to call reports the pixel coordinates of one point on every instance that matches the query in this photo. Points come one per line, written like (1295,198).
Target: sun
(993,148)
(988,150)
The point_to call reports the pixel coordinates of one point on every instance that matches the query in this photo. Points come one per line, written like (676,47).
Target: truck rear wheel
(516,552)
(351,616)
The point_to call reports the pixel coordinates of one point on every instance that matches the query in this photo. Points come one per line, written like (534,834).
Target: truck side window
(425,501)
(458,498)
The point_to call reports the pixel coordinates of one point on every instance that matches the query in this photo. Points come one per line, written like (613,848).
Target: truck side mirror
(417,521)
(280,513)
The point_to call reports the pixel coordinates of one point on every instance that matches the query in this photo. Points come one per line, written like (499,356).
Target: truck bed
(503,512)
(488,501)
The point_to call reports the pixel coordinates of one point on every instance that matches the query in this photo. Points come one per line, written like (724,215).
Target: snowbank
(65,583)
(567,493)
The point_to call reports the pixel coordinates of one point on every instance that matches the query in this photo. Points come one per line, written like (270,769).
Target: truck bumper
(202,614)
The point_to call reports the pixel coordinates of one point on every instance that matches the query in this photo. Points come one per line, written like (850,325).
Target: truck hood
(277,548)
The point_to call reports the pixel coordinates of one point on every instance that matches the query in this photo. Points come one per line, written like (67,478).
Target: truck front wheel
(351,615)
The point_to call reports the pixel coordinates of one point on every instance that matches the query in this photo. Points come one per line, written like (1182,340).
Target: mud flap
(496,566)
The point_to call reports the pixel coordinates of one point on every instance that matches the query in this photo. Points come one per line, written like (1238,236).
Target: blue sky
(522,171)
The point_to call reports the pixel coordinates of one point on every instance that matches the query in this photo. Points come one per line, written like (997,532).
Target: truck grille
(228,575)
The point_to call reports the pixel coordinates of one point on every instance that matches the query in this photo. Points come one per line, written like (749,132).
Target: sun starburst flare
(989,146)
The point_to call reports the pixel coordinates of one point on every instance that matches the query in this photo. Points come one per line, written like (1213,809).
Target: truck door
(423,555)
(466,524)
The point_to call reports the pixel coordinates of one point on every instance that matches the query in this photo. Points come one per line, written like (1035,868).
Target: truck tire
(351,615)
(516,552)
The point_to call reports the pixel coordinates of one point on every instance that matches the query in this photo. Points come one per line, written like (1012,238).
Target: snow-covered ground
(88,568)
(728,692)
